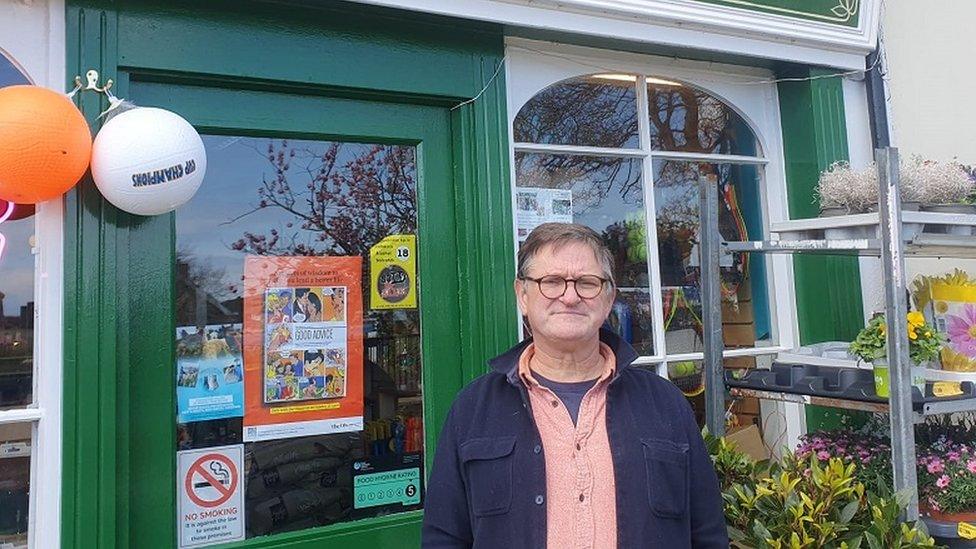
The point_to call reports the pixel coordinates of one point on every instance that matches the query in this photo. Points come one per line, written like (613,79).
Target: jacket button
(537,449)
(539,499)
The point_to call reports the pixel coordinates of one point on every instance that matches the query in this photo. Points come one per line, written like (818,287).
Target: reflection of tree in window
(583,111)
(689,120)
(591,178)
(342,201)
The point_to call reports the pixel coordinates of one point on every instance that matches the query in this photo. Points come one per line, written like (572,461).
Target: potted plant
(809,503)
(843,191)
(870,345)
(943,187)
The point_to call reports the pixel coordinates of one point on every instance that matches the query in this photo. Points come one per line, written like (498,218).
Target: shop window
(580,156)
(298,331)
(17,353)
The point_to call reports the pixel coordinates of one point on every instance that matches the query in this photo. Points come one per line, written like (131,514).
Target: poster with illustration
(209,372)
(535,206)
(303,354)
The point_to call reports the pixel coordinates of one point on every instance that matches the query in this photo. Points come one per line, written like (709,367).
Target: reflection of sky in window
(17,263)
(214,219)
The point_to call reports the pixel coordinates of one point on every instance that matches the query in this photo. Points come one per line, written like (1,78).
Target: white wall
(930,53)
(930,81)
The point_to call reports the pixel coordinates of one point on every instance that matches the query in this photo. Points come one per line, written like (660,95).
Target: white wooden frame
(33,36)
(678,23)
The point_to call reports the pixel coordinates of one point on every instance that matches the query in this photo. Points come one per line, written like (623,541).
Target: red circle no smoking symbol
(211,480)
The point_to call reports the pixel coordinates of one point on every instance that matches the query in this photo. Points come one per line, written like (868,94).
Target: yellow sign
(393,273)
(966,530)
(946,388)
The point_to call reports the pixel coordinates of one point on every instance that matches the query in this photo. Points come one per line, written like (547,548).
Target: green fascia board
(836,12)
(335,45)
(118,455)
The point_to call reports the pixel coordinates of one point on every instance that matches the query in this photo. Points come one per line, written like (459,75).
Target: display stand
(887,234)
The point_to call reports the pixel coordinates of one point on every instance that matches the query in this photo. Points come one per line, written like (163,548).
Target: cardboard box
(748,440)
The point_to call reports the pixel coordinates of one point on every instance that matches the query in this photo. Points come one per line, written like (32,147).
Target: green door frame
(118,452)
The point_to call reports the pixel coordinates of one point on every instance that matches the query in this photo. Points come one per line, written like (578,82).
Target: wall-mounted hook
(92,77)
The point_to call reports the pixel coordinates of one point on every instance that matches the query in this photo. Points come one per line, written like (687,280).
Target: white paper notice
(535,206)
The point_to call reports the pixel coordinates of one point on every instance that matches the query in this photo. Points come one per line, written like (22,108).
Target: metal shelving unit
(889,234)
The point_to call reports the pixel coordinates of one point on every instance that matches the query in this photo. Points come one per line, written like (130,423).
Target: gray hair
(558,235)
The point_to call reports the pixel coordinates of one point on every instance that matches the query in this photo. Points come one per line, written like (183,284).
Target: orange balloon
(45,144)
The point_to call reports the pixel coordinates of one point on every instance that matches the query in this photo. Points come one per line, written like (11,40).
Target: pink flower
(935,466)
(822,455)
(971,465)
(953,456)
(962,331)
(943,481)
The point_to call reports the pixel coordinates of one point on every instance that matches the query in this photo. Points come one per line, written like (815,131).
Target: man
(565,444)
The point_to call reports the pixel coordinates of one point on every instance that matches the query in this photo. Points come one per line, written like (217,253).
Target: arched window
(624,152)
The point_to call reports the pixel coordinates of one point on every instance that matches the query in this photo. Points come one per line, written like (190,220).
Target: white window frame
(532,66)
(44,413)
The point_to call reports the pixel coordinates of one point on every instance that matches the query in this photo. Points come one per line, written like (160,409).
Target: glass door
(312,328)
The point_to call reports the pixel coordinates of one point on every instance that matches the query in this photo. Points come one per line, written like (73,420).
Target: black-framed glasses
(554,286)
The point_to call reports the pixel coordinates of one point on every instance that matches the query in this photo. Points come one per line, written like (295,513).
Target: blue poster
(209,373)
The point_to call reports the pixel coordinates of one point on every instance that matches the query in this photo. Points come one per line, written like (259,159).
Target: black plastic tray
(829,382)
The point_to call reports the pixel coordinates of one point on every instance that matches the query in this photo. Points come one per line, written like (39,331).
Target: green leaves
(806,504)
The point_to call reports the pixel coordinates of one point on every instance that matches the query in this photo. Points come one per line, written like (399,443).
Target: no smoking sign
(211,502)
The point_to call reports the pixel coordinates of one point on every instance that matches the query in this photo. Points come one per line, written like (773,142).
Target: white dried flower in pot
(842,190)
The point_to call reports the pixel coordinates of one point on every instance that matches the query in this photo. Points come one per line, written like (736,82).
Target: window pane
(16,288)
(686,119)
(595,111)
(15,449)
(605,194)
(745,310)
(16,308)
(319,206)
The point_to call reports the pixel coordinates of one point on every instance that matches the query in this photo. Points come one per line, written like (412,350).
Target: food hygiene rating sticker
(387,487)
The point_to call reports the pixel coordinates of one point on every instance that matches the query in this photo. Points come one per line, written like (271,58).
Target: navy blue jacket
(487,488)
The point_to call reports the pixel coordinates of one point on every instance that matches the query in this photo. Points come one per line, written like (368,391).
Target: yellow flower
(928,334)
(916,319)
(912,334)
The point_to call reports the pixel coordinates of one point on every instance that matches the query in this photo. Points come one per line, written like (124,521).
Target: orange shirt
(581,505)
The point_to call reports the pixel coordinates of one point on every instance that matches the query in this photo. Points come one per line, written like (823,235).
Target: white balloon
(148,161)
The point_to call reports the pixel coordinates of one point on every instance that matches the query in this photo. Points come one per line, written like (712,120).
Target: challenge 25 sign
(393,273)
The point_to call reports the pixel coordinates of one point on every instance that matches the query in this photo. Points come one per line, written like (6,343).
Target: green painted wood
(836,12)
(335,45)
(482,153)
(119,481)
(90,449)
(828,289)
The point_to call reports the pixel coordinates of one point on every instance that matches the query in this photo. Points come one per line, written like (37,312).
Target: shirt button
(554,404)
(581,498)
(578,446)
(539,499)
(537,449)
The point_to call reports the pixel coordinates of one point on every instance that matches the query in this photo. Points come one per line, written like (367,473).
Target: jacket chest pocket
(487,464)
(667,477)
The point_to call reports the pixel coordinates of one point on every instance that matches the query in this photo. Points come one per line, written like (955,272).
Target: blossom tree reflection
(339,201)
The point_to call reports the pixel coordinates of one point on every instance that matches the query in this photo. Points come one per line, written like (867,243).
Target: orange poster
(303,346)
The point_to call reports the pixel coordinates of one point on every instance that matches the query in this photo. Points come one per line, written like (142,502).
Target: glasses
(554,287)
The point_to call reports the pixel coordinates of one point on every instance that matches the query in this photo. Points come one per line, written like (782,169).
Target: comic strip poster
(535,206)
(303,348)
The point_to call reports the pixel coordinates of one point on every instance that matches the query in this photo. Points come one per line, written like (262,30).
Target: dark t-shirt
(570,393)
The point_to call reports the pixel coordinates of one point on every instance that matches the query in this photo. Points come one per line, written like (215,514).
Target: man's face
(568,318)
